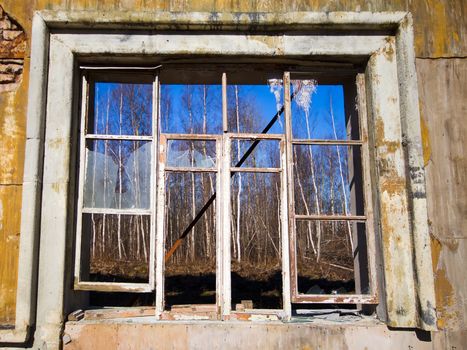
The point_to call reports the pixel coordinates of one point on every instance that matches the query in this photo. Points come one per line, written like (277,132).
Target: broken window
(116,217)
(252,167)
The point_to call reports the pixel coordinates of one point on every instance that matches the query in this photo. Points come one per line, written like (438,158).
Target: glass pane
(325,262)
(252,107)
(187,153)
(121,109)
(190,273)
(318,112)
(264,153)
(118,174)
(328,180)
(256,241)
(191,109)
(115,248)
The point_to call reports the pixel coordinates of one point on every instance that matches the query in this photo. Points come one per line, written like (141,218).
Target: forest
(119,175)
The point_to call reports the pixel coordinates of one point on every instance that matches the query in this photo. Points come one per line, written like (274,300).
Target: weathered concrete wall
(443,104)
(441,46)
(240,335)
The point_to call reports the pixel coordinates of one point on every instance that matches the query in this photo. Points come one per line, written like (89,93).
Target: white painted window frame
(46,205)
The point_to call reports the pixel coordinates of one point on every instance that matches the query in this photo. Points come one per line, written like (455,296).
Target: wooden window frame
(88,76)
(223,170)
(368,218)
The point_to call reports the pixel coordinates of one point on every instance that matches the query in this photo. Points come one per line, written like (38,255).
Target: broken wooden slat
(76,315)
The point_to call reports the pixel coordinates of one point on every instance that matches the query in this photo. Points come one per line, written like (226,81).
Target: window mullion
(367,184)
(289,181)
(225,253)
(160,155)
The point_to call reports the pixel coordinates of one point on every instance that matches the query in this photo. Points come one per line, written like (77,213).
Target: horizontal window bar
(331,217)
(190,170)
(327,142)
(199,137)
(255,170)
(118,137)
(241,136)
(119,67)
(335,298)
(116,211)
(114,287)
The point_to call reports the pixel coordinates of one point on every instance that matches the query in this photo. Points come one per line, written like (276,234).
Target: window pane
(256,240)
(121,109)
(118,174)
(325,262)
(265,153)
(327,180)
(115,248)
(252,107)
(191,108)
(318,111)
(190,273)
(184,153)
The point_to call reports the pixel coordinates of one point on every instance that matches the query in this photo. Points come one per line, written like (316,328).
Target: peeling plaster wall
(443,105)
(441,48)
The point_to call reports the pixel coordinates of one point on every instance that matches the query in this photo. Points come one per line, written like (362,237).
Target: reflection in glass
(327,180)
(121,109)
(187,153)
(117,247)
(191,109)
(325,261)
(264,155)
(118,174)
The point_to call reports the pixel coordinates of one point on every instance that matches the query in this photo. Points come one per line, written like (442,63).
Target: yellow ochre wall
(441,50)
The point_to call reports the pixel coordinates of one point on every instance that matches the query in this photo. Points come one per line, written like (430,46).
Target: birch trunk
(341,173)
(315,188)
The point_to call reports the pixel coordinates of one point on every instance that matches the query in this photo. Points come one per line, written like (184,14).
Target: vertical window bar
(224,103)
(367,188)
(290,191)
(82,159)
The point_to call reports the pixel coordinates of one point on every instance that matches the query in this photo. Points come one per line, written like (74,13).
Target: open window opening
(225,169)
(191,120)
(255,138)
(331,203)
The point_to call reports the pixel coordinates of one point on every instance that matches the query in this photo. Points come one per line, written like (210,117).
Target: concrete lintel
(257,21)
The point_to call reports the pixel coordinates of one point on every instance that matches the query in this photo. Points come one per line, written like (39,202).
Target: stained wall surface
(441,50)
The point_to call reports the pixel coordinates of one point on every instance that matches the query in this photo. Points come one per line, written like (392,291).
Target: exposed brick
(5,23)
(11,68)
(11,34)
(7,78)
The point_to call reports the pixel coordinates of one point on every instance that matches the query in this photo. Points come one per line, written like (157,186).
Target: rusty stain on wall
(13,97)
(443,95)
(425,140)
